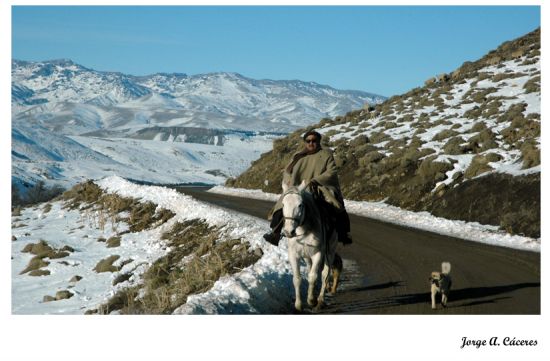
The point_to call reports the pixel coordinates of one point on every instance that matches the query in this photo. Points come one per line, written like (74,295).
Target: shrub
(38,193)
(371,157)
(454,146)
(444,134)
(483,141)
(530,155)
(532,85)
(477,166)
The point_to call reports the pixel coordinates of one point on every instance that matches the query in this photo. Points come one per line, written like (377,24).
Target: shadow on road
(477,295)
(376,287)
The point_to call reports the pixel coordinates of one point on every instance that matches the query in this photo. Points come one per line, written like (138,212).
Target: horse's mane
(312,220)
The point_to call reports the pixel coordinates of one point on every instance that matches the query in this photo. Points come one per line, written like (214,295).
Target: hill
(464,146)
(71,123)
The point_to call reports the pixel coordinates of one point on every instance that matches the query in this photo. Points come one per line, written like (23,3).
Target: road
(386,269)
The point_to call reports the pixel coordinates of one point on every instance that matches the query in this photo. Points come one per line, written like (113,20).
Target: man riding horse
(314,165)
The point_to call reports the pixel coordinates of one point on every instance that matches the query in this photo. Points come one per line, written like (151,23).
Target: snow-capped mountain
(70,122)
(73,99)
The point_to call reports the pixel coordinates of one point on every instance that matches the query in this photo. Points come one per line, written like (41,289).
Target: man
(316,166)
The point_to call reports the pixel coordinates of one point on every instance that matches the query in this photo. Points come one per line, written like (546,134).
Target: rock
(48,299)
(39,272)
(62,295)
(258,252)
(40,248)
(106,265)
(113,242)
(75,279)
(13,238)
(67,248)
(34,264)
(59,255)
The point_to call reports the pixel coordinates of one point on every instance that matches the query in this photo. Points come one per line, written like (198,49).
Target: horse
(307,240)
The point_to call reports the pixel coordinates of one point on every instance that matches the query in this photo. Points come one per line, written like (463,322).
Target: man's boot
(343,228)
(276,225)
(272,238)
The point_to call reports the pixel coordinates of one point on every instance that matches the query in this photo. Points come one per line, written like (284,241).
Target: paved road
(387,267)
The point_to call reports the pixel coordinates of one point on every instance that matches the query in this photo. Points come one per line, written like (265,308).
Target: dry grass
(101,208)
(197,260)
(87,192)
(16,211)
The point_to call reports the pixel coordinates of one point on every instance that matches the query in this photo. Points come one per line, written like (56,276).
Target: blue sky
(382,49)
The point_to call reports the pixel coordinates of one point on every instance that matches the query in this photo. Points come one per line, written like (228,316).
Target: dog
(336,270)
(441,283)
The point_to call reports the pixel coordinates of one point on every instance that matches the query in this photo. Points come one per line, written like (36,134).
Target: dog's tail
(446,267)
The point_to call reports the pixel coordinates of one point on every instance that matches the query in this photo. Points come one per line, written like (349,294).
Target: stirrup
(272,238)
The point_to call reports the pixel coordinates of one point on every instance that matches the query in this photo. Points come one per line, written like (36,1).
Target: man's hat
(312,132)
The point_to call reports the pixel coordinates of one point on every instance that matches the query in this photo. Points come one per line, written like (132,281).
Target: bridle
(299,220)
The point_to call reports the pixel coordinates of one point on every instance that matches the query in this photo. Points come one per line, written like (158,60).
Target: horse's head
(293,208)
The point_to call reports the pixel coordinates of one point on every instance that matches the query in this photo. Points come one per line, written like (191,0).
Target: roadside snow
(471,231)
(265,287)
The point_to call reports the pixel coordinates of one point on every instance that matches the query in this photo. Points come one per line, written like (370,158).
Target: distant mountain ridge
(62,90)
(71,123)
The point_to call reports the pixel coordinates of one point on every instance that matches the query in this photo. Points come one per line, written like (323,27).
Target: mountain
(465,146)
(65,96)
(70,123)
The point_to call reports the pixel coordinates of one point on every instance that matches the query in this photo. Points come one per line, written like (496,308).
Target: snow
(67,160)
(471,231)
(264,287)
(455,113)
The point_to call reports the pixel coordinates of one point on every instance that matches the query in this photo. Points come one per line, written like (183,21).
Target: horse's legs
(324,281)
(312,278)
(308,263)
(296,279)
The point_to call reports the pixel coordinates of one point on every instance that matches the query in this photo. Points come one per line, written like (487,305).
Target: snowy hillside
(68,97)
(39,154)
(71,123)
(67,244)
(464,146)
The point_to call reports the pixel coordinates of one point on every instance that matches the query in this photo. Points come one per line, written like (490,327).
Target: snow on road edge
(471,231)
(264,287)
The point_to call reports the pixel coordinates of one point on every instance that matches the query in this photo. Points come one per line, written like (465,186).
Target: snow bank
(265,287)
(471,231)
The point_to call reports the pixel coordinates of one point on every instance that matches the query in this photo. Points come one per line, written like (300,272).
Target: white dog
(441,283)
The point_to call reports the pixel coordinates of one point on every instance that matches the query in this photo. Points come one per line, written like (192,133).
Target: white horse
(306,239)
